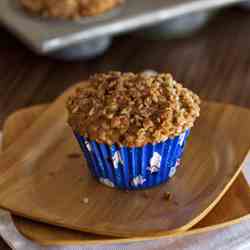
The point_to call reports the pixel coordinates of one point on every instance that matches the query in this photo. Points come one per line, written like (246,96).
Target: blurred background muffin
(69,9)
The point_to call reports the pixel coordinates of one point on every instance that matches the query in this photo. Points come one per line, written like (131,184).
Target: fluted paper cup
(133,168)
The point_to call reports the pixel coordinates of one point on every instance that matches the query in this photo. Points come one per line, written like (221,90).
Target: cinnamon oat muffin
(69,9)
(132,127)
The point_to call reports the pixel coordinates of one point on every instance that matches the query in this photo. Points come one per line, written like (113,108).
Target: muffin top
(132,109)
(69,9)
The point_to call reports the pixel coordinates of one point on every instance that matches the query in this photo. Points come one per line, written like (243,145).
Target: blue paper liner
(132,168)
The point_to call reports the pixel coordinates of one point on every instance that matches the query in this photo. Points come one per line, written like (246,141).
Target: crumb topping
(69,9)
(132,109)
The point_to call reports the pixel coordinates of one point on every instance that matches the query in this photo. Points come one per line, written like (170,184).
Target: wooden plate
(234,206)
(40,181)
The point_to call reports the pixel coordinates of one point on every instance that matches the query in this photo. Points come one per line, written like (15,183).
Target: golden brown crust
(132,109)
(69,9)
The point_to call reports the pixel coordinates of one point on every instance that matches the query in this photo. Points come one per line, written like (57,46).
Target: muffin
(132,128)
(69,9)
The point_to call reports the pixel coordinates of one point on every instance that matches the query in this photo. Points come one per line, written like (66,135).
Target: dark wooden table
(215,62)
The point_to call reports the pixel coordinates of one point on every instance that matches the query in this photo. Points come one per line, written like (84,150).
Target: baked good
(139,122)
(69,9)
(134,109)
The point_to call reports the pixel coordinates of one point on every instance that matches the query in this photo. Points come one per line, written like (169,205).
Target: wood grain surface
(37,170)
(234,206)
(213,62)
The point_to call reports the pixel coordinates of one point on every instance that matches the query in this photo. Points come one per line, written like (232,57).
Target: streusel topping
(69,9)
(132,109)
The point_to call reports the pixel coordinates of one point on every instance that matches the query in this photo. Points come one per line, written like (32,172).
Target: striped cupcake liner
(133,168)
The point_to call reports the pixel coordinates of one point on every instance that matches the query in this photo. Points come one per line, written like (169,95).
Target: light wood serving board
(41,182)
(234,206)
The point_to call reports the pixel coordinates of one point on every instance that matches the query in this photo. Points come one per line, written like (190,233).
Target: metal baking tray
(45,35)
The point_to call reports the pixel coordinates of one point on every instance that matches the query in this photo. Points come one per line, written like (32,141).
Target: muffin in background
(69,9)
(132,128)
